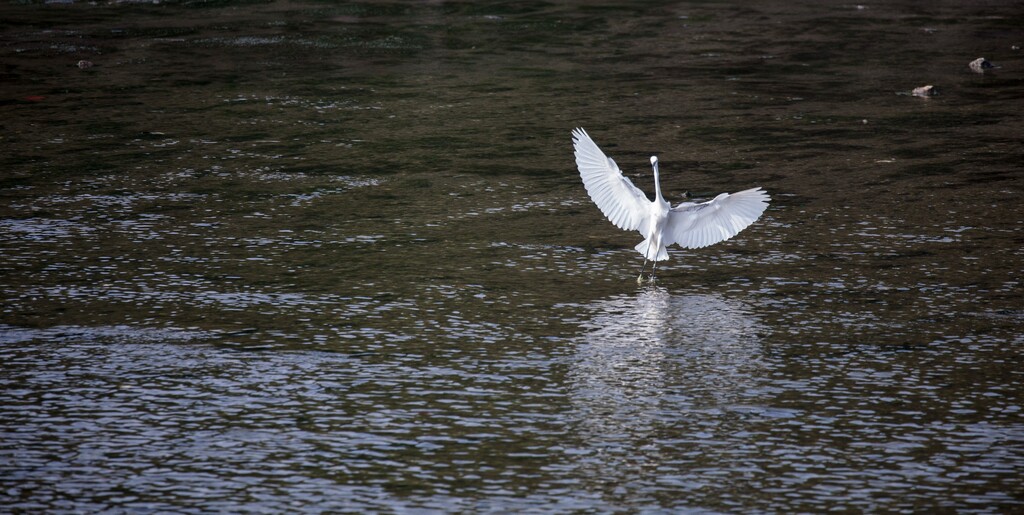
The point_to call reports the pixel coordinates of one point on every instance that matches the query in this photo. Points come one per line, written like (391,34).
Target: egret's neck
(657,184)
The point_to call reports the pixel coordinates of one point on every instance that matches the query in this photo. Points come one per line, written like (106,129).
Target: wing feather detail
(698,225)
(615,195)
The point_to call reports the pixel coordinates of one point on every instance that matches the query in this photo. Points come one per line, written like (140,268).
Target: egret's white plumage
(690,225)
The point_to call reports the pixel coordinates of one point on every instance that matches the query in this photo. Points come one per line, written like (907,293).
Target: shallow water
(299,256)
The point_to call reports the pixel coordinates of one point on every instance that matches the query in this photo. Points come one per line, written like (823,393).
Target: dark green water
(317,256)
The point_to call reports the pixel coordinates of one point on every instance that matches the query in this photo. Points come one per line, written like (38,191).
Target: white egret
(690,225)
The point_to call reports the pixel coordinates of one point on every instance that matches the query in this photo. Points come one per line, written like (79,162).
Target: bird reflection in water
(656,368)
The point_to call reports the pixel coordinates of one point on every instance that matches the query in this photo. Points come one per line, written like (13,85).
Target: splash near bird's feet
(640,279)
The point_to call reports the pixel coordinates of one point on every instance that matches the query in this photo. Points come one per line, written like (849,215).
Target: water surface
(300,256)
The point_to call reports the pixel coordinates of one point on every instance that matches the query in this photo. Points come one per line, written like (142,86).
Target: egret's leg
(640,279)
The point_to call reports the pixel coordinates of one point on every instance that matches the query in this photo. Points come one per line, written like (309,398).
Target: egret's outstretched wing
(624,204)
(699,225)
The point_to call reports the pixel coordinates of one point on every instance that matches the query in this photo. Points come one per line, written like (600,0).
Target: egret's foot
(640,279)
(651,280)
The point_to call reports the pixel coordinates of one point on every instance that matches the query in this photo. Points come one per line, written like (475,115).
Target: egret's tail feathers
(650,252)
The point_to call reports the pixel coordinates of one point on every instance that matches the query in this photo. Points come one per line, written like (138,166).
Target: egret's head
(654,160)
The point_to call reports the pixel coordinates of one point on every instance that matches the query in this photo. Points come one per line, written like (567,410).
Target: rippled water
(279,256)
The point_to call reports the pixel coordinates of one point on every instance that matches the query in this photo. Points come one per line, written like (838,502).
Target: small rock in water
(83,64)
(981,64)
(925,91)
